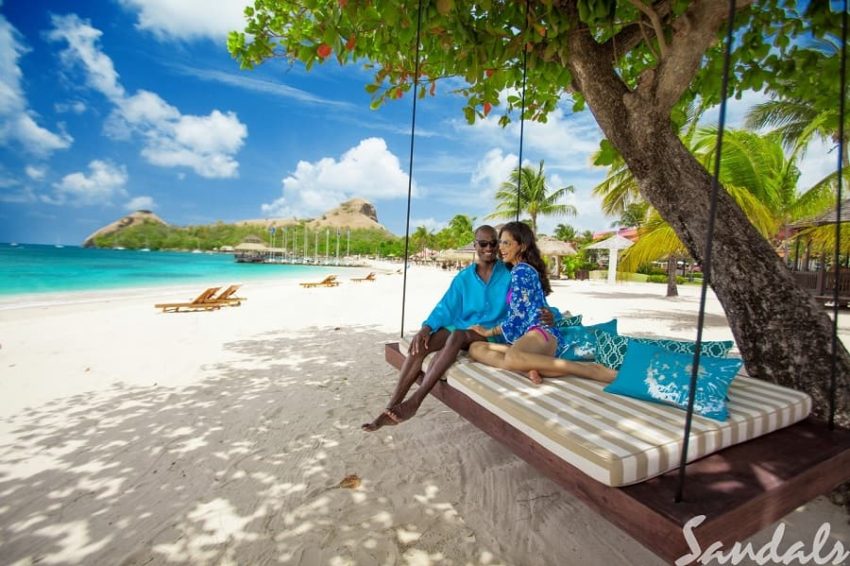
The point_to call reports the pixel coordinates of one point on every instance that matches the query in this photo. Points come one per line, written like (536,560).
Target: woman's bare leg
(489,354)
(533,353)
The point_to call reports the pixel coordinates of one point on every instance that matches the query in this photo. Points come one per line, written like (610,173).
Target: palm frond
(652,245)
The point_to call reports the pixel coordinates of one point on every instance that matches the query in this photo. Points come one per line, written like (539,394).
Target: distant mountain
(355,214)
(132,219)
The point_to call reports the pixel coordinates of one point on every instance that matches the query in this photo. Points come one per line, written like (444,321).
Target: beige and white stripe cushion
(618,440)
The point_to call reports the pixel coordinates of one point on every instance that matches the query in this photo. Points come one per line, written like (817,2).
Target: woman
(532,345)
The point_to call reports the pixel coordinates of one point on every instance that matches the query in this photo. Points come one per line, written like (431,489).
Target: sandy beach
(130,436)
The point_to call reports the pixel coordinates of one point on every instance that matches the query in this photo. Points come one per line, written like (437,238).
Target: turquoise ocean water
(33,268)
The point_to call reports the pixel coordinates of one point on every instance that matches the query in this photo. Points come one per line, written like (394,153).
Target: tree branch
(646,41)
(693,33)
(656,24)
(630,36)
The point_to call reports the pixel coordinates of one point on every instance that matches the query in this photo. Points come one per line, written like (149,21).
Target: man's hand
(546,317)
(420,340)
(478,329)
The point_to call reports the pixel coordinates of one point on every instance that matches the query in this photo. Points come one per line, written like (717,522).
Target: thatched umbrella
(460,254)
(613,244)
(251,247)
(250,251)
(550,246)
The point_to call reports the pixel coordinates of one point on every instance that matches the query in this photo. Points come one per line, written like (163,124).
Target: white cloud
(565,141)
(368,170)
(206,144)
(189,19)
(493,169)
(75,107)
(103,182)
(267,87)
(820,160)
(140,203)
(17,120)
(35,173)
(83,49)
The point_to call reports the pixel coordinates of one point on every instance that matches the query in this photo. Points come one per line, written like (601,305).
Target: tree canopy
(483,42)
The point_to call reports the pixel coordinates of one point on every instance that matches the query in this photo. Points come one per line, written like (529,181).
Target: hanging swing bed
(655,471)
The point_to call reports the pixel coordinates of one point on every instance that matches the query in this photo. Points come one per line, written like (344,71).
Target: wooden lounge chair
(329,281)
(370,277)
(226,297)
(204,301)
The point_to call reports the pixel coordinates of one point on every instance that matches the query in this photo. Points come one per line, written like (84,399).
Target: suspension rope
(842,95)
(522,115)
(715,189)
(410,165)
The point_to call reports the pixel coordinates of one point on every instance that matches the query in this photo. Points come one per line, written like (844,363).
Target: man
(476,296)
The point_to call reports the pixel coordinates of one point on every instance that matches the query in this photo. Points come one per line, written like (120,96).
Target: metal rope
(706,265)
(410,166)
(842,94)
(522,116)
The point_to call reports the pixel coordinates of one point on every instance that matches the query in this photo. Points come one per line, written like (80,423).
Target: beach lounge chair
(227,298)
(329,281)
(370,277)
(204,301)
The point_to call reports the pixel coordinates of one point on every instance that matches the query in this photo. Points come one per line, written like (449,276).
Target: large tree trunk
(783,334)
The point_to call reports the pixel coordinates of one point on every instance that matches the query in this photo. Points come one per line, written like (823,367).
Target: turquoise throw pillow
(573,320)
(654,374)
(611,348)
(579,342)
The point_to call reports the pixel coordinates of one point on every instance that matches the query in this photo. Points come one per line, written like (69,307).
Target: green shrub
(663,279)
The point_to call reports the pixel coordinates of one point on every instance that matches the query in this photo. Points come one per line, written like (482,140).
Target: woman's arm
(524,278)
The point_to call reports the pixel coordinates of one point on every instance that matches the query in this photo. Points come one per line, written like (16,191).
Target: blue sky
(112,106)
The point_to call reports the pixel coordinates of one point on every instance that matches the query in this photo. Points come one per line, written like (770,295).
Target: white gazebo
(613,244)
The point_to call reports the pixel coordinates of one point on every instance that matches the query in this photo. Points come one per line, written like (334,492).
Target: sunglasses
(487,243)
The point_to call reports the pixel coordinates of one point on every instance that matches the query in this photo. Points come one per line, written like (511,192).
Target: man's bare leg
(459,340)
(407,377)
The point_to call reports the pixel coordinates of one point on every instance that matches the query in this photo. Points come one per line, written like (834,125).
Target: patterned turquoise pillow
(579,342)
(611,348)
(654,374)
(570,320)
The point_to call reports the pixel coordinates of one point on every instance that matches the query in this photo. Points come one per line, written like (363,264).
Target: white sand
(129,436)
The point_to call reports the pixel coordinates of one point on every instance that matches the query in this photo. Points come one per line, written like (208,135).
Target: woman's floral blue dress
(525,299)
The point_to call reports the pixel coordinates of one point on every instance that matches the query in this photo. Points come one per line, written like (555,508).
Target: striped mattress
(618,440)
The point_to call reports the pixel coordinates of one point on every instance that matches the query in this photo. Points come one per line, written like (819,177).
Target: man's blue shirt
(471,301)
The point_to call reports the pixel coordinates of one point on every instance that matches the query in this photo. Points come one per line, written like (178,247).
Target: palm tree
(421,238)
(760,164)
(757,174)
(799,120)
(565,232)
(536,198)
(461,229)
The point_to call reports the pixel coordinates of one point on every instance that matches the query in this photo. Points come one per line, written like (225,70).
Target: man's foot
(387,418)
(404,411)
(535,377)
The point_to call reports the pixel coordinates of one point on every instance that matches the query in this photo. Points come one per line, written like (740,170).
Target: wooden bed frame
(741,489)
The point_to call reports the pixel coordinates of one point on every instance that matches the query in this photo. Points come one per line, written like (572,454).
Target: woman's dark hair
(530,252)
